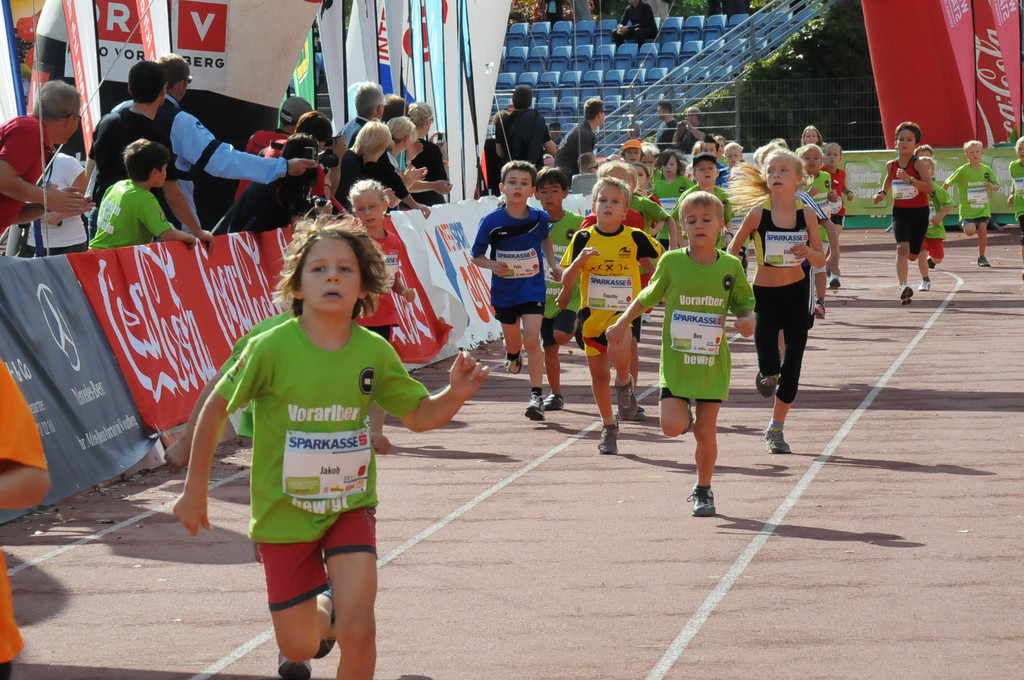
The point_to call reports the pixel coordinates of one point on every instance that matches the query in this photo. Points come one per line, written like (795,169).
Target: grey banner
(57,353)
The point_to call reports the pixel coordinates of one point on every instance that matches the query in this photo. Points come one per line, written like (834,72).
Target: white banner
(331,20)
(82,46)
(154,27)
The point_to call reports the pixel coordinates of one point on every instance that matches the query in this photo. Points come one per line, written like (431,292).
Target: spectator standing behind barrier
(366,160)
(688,131)
(121,127)
(524,135)
(369,104)
(581,139)
(665,134)
(637,24)
(24,481)
(291,110)
(26,144)
(433,156)
(60,236)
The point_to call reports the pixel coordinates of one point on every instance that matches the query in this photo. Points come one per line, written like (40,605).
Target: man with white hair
(369,103)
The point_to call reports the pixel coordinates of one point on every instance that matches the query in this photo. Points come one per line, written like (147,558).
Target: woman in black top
(367,159)
(432,157)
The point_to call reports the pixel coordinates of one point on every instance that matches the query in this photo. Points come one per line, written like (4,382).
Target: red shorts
(295,572)
(935,248)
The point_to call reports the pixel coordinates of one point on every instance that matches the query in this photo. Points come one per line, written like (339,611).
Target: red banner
(997,69)
(172,314)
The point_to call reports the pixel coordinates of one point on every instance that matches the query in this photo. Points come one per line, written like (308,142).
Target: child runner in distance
(670,181)
(607,259)
(819,189)
(705,172)
(973,181)
(700,285)
(369,202)
(559,325)
(1017,175)
(785,233)
(839,193)
(513,243)
(311,381)
(910,183)
(939,205)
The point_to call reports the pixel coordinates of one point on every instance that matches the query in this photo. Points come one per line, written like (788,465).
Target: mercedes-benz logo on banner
(58,326)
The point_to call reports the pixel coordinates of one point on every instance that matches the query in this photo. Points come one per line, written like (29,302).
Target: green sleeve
(152,217)
(654,292)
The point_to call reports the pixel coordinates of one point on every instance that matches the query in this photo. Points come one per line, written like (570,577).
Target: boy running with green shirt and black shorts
(129,214)
(700,285)
(940,205)
(1017,175)
(973,181)
(559,325)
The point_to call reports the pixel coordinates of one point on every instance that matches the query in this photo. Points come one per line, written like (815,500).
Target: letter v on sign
(202,26)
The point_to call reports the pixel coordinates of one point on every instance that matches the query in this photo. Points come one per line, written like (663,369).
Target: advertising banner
(997,69)
(58,355)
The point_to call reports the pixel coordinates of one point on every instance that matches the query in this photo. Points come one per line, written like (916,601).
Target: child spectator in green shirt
(973,181)
(130,214)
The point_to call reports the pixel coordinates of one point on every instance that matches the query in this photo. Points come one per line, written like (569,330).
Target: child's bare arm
(619,331)
(173,234)
(673,233)
(22,485)
(886,185)
(750,223)
(467,375)
(549,256)
(745,323)
(484,262)
(190,508)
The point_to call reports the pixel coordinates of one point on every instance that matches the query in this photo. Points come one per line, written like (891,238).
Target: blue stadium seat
(592,85)
(547,106)
(668,56)
(506,81)
(671,29)
(530,78)
(647,56)
(568,107)
(538,59)
(625,55)
(549,80)
(570,82)
(539,34)
(583,32)
(612,102)
(714,27)
(561,34)
(636,76)
(517,35)
(604,57)
(515,60)
(560,58)
(613,82)
(605,28)
(504,102)
(655,74)
(581,57)
(693,29)
(736,20)
(690,49)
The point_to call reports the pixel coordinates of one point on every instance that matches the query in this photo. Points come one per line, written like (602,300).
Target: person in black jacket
(432,157)
(637,24)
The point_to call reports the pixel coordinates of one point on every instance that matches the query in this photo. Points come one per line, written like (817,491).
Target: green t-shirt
(1017,175)
(561,235)
(695,360)
(668,192)
(245,420)
(972,195)
(129,215)
(651,212)
(723,196)
(936,202)
(312,458)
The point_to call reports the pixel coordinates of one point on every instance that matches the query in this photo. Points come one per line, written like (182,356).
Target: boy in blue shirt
(513,243)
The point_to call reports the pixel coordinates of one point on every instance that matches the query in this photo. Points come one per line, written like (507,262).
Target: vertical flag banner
(12,96)
(331,20)
(154,27)
(84,62)
(394,22)
(304,76)
(361,45)
(997,69)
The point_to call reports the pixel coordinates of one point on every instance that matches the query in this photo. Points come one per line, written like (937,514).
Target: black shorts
(666,393)
(1020,223)
(909,226)
(565,321)
(510,315)
(382,331)
(837,220)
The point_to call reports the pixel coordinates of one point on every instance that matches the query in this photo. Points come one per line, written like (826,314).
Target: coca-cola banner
(997,69)
(172,314)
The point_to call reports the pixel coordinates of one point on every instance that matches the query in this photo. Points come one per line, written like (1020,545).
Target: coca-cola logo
(996,113)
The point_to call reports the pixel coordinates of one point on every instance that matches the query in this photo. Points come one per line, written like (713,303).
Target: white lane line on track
(268,634)
(700,617)
(115,527)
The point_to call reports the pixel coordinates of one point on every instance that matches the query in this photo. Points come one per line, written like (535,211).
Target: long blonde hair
(748,184)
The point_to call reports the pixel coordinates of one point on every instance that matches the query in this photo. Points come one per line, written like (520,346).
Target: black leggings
(784,308)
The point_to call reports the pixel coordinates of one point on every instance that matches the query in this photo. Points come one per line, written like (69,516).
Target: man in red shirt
(26,144)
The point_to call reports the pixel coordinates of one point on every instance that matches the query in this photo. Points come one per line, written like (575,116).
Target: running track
(888,543)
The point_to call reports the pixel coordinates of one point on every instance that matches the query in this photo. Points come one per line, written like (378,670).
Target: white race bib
(521,263)
(325,464)
(977,196)
(1018,184)
(609,292)
(902,191)
(667,204)
(696,332)
(778,248)
(391,265)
